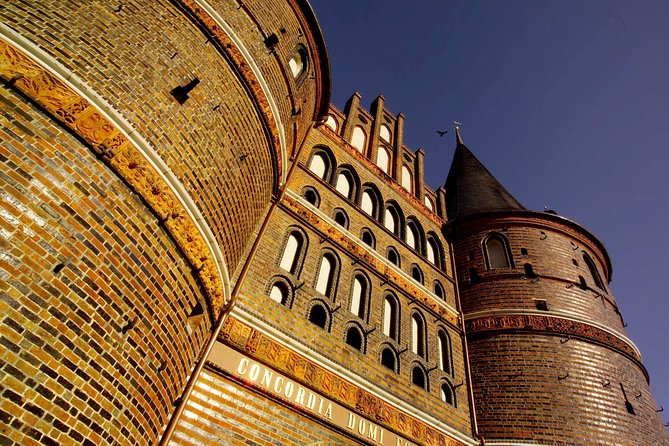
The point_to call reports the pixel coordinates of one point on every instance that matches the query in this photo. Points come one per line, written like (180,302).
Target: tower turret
(549,356)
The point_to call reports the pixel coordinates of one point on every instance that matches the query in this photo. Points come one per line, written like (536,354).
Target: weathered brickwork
(547,343)
(95,295)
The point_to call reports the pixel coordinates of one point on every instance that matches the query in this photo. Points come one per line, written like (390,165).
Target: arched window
(341,218)
(326,275)
(293,253)
(594,273)
(447,395)
(359,296)
(429,203)
(389,220)
(393,256)
(383,159)
(311,195)
(298,62)
(371,201)
(433,250)
(390,318)
(344,184)
(388,359)
(439,290)
(322,163)
(416,273)
(444,351)
(407,181)
(367,203)
(418,377)
(414,235)
(367,237)
(331,122)
(417,335)
(318,315)
(278,293)
(358,138)
(384,133)
(354,338)
(497,252)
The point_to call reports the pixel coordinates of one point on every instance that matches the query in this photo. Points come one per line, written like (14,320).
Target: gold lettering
(381,436)
(373,430)
(361,426)
(267,378)
(277,384)
(351,421)
(311,401)
(254,372)
(243,364)
(299,398)
(288,390)
(320,406)
(328,411)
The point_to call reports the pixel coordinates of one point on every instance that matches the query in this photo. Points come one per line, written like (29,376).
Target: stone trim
(110,143)
(304,371)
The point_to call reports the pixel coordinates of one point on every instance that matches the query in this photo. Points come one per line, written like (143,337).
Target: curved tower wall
(141,147)
(549,358)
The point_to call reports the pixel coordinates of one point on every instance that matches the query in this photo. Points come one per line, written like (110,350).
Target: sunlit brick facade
(197,248)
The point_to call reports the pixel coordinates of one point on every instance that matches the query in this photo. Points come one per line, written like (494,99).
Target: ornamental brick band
(82,118)
(553,326)
(307,373)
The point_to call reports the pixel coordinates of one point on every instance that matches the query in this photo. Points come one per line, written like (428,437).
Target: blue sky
(565,102)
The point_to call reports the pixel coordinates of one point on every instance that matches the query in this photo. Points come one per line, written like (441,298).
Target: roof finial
(457,125)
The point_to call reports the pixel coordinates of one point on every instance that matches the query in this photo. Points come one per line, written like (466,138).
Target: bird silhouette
(442,133)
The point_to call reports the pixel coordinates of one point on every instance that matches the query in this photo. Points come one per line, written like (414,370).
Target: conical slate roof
(471,189)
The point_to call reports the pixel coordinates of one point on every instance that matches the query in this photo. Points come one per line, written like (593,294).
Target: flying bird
(442,133)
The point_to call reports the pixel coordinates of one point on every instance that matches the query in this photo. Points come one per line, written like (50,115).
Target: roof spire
(458,139)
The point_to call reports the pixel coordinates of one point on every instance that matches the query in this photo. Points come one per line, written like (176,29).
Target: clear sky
(565,102)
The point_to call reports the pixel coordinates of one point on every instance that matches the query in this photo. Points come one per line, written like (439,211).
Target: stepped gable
(471,189)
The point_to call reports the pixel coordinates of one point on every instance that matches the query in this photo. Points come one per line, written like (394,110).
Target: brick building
(197,248)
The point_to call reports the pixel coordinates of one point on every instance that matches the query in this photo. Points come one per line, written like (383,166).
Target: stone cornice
(131,159)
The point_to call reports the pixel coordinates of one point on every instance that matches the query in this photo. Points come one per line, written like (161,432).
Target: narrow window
(416,274)
(298,63)
(358,138)
(384,133)
(428,203)
(358,297)
(319,165)
(447,394)
(412,236)
(582,283)
(418,377)
(324,282)
(496,252)
(341,218)
(368,203)
(529,271)
(388,359)
(439,290)
(431,254)
(393,256)
(354,338)
(344,185)
(383,159)
(331,122)
(389,221)
(318,316)
(368,238)
(417,335)
(594,273)
(289,259)
(444,351)
(390,317)
(278,293)
(406,179)
(310,194)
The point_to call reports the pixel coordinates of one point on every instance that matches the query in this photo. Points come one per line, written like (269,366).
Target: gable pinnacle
(458,139)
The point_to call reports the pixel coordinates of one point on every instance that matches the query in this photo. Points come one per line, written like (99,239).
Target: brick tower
(550,361)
